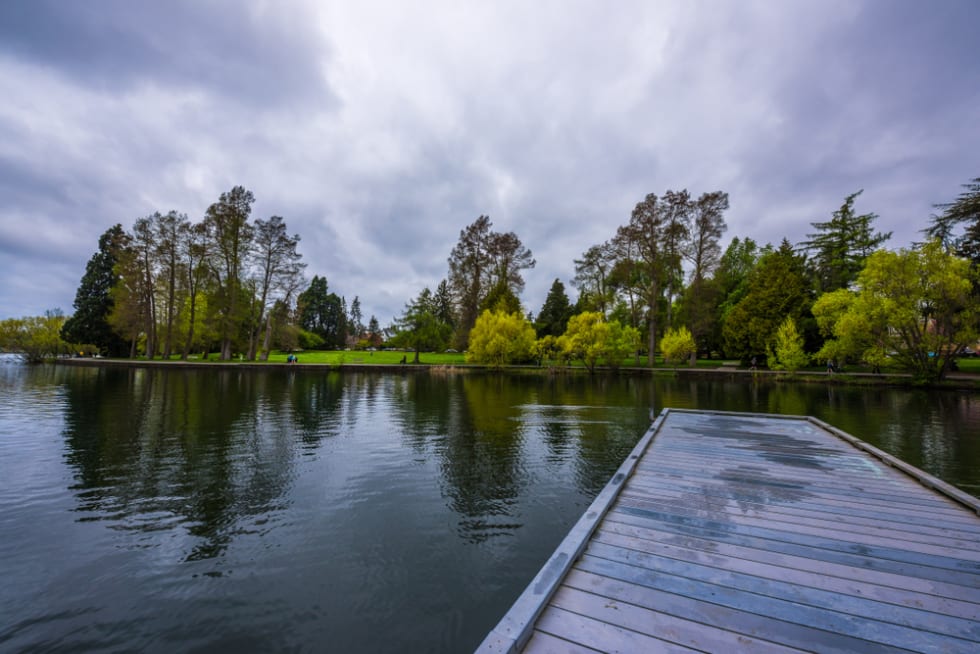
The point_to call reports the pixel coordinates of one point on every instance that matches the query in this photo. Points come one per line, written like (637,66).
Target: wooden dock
(758,533)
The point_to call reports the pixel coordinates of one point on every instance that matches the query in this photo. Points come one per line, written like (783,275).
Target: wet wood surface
(761,533)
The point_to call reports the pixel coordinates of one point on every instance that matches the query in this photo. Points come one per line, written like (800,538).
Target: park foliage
(235,286)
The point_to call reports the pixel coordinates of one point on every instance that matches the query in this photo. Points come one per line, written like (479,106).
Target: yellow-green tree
(852,334)
(499,338)
(34,337)
(547,348)
(678,345)
(590,339)
(786,350)
(915,304)
(623,341)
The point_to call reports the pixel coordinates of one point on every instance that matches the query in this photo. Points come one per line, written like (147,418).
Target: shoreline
(956,381)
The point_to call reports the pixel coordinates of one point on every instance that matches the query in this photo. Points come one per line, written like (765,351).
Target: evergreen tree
(553,317)
(731,283)
(965,210)
(500,298)
(777,289)
(841,245)
(315,309)
(355,326)
(89,325)
(443,304)
(375,336)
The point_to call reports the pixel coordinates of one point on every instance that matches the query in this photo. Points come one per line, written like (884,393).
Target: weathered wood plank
(948,513)
(732,532)
(542,643)
(602,636)
(828,489)
(760,540)
(924,594)
(884,532)
(689,633)
(935,533)
(850,511)
(873,631)
(516,627)
(913,553)
(790,634)
(764,580)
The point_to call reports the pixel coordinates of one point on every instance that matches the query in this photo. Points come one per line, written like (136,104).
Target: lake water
(307,511)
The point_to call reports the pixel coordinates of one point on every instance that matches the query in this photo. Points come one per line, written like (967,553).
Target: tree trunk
(190,331)
(266,342)
(652,324)
(171,293)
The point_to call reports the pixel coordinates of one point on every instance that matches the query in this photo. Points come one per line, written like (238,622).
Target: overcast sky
(379,130)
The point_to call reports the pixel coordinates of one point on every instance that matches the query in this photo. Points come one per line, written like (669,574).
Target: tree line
(661,283)
(838,296)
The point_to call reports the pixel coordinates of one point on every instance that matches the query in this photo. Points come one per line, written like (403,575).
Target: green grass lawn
(968,364)
(348,357)
(363,357)
(345,357)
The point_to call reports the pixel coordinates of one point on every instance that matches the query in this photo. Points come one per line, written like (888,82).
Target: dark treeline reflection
(154,449)
(494,435)
(162,509)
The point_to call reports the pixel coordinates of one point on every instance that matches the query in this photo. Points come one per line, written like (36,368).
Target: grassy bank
(966,378)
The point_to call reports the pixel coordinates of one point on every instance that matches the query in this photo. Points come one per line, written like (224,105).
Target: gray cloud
(379,130)
(258,54)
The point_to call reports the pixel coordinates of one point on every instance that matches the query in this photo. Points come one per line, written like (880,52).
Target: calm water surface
(170,510)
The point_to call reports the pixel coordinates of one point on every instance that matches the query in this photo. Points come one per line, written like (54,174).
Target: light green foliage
(851,335)
(786,351)
(590,338)
(34,337)
(306,340)
(622,342)
(915,303)
(547,348)
(499,339)
(678,345)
